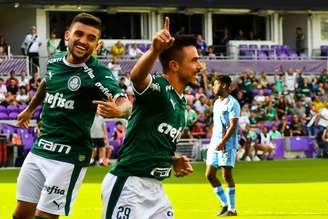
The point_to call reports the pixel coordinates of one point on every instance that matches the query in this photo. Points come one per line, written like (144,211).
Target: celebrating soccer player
(223,146)
(132,189)
(52,173)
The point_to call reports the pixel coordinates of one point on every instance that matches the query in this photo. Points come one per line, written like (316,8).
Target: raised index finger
(167,24)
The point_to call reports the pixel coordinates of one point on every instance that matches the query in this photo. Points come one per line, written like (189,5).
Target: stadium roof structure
(319,5)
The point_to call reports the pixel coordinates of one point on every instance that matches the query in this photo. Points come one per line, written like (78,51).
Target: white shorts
(218,159)
(52,184)
(134,198)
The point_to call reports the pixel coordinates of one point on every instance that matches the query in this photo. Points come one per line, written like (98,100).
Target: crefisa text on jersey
(171,131)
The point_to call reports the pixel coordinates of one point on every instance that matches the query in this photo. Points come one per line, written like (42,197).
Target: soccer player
(223,146)
(132,188)
(52,173)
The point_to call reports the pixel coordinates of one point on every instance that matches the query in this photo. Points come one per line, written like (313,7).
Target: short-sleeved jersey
(154,127)
(68,111)
(223,111)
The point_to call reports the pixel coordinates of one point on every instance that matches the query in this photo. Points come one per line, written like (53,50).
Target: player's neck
(223,96)
(70,59)
(175,83)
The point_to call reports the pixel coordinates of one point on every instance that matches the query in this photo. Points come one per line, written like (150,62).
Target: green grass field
(271,189)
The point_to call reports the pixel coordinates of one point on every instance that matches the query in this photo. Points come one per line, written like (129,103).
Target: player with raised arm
(52,172)
(223,145)
(132,188)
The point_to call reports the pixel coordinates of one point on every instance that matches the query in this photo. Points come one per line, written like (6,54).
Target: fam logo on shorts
(74,83)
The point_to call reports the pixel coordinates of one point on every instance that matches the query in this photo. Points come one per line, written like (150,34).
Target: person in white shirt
(31,46)
(134,51)
(290,80)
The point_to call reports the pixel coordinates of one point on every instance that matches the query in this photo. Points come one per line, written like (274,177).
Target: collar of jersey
(181,96)
(72,65)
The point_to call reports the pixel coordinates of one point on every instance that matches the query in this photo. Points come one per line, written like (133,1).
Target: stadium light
(16,5)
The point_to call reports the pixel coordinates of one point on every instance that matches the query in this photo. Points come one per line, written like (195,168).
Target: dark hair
(118,123)
(87,19)
(223,79)
(175,51)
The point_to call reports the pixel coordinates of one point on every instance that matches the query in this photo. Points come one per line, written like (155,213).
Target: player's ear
(174,65)
(67,35)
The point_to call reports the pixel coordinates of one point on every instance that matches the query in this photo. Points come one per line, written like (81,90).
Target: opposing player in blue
(223,146)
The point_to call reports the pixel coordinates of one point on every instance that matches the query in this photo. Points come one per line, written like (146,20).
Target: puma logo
(59,205)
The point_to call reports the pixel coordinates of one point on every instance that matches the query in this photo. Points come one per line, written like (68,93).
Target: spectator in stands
(12,88)
(284,127)
(274,133)
(279,82)
(241,35)
(3,91)
(290,80)
(119,133)
(181,31)
(23,80)
(323,78)
(246,86)
(186,134)
(2,52)
(115,67)
(323,145)
(263,81)
(282,106)
(224,42)
(270,113)
(241,98)
(101,50)
(190,98)
(288,95)
(35,81)
(52,44)
(22,95)
(63,43)
(265,144)
(260,98)
(99,137)
(201,45)
(31,46)
(4,44)
(210,52)
(198,130)
(253,36)
(296,127)
(300,41)
(200,105)
(322,119)
(134,52)
(118,50)
(12,77)
(191,116)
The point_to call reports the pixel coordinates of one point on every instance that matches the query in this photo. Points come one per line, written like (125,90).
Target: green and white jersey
(68,111)
(154,127)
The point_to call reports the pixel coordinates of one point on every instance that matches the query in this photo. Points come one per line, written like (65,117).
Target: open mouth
(81,47)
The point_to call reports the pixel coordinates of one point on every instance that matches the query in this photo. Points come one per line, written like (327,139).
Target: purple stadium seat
(3,116)
(36,114)
(3,108)
(27,141)
(13,115)
(110,128)
(293,56)
(142,47)
(12,108)
(265,47)
(279,151)
(303,56)
(282,56)
(21,107)
(116,148)
(243,47)
(267,91)
(271,54)
(262,55)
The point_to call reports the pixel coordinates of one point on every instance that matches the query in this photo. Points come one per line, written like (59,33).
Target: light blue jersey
(223,111)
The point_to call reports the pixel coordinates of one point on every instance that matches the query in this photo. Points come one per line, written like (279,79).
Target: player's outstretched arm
(23,118)
(140,72)
(120,108)
(181,166)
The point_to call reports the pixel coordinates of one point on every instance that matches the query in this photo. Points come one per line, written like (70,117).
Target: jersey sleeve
(153,93)
(234,110)
(105,84)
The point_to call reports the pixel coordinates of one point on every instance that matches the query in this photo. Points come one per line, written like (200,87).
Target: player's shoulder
(99,69)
